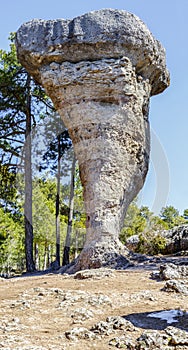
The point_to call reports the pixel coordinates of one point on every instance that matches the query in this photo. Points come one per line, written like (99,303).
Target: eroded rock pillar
(105,108)
(102,94)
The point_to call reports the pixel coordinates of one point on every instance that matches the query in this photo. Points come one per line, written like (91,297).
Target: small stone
(80,333)
(102,328)
(155,275)
(119,322)
(175,286)
(172,271)
(93,273)
(152,340)
(122,343)
(81,314)
(99,300)
(169,272)
(178,336)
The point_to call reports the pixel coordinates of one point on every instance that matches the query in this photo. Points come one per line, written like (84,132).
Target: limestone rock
(151,339)
(80,333)
(102,328)
(81,314)
(95,35)
(170,338)
(123,342)
(100,70)
(132,242)
(172,271)
(72,297)
(93,273)
(111,324)
(119,322)
(178,336)
(176,286)
(176,239)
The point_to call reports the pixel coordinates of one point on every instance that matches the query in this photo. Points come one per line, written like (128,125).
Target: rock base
(102,254)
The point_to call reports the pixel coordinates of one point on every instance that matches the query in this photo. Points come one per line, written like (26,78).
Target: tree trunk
(70,218)
(45,256)
(76,244)
(37,264)
(49,255)
(30,266)
(57,204)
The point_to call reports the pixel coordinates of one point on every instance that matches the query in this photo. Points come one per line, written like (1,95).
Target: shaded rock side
(176,239)
(172,271)
(100,70)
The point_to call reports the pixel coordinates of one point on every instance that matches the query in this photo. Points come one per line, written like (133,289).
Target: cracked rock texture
(176,239)
(100,70)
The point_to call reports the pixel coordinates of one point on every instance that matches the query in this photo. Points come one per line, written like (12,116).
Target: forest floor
(39,311)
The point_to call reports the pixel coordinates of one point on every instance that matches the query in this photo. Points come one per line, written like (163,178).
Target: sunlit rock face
(100,70)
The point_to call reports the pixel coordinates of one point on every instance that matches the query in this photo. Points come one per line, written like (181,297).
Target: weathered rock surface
(81,314)
(151,339)
(176,239)
(166,340)
(80,333)
(176,286)
(172,271)
(178,336)
(111,324)
(93,273)
(176,277)
(100,70)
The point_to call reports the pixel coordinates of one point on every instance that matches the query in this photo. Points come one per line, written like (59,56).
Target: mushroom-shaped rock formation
(100,70)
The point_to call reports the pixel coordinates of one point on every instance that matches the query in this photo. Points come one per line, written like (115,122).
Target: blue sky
(167,180)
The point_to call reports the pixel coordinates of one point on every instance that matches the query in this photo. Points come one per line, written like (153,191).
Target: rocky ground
(98,309)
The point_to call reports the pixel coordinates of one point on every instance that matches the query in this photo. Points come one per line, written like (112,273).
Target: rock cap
(105,33)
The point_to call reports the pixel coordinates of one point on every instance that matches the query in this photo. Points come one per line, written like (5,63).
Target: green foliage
(11,243)
(151,243)
(43,217)
(185,214)
(134,223)
(142,222)
(7,185)
(79,216)
(57,149)
(171,216)
(14,105)
(79,209)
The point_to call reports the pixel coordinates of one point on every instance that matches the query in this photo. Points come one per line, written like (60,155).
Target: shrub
(150,243)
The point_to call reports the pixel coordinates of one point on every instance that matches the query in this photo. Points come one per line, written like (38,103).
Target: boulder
(176,239)
(172,271)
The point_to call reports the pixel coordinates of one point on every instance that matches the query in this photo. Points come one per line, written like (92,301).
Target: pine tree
(22,102)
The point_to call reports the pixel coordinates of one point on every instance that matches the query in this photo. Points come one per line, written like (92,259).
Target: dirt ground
(36,311)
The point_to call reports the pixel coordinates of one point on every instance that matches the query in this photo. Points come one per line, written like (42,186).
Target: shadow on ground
(159,320)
